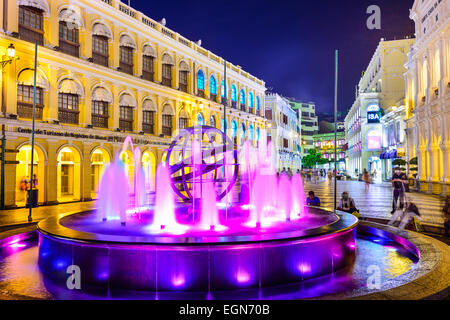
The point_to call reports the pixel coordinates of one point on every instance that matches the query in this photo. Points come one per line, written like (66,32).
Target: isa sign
(373,117)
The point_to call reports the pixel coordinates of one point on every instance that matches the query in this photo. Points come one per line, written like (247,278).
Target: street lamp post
(30,195)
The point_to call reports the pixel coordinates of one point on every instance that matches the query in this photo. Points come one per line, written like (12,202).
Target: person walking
(398,181)
(366,179)
(446,212)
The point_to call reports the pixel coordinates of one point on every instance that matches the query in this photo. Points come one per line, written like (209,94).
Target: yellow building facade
(106,71)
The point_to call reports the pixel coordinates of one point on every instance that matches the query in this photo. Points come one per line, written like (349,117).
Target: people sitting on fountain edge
(347,204)
(312,200)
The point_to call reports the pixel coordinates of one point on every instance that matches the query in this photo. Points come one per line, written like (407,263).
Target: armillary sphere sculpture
(202,154)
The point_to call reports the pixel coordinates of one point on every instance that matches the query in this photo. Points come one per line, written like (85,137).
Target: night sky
(289,44)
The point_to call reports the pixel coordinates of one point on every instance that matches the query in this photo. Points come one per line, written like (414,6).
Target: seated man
(312,200)
(347,204)
(406,216)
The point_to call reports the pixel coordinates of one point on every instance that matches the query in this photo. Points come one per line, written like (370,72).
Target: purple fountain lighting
(187,240)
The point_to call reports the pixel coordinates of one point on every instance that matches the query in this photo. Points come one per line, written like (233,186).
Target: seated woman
(312,200)
(347,204)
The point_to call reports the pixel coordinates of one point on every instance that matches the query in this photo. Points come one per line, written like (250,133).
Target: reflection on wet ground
(20,277)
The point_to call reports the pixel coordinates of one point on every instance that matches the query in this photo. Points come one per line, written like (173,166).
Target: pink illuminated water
(270,199)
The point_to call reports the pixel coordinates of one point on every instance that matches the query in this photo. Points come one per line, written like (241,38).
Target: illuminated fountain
(193,236)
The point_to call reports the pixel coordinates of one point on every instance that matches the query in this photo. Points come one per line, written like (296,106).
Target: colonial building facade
(106,71)
(284,133)
(428,95)
(380,89)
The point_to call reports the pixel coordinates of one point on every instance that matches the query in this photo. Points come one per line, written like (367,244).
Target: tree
(313,158)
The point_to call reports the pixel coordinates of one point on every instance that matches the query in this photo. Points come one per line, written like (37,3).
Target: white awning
(127,100)
(101,94)
(167,59)
(148,105)
(38,4)
(149,51)
(127,41)
(70,86)
(101,30)
(183,114)
(26,78)
(168,110)
(184,66)
(71,17)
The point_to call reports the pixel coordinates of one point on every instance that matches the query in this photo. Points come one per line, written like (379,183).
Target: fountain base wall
(195,266)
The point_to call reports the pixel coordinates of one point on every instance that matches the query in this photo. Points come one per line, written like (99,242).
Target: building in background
(308,122)
(284,132)
(107,71)
(380,89)
(324,143)
(428,95)
(393,138)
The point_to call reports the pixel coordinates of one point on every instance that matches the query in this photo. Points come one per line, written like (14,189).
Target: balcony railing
(31,35)
(250,110)
(213,97)
(125,67)
(69,47)
(243,107)
(68,116)
(25,110)
(126,125)
(147,75)
(183,87)
(99,121)
(201,93)
(224,100)
(233,104)
(100,59)
(167,82)
(147,128)
(167,131)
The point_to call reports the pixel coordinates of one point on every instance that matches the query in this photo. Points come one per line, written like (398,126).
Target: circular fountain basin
(137,257)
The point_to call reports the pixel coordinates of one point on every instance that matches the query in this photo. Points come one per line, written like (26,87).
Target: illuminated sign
(374,140)
(373,108)
(373,117)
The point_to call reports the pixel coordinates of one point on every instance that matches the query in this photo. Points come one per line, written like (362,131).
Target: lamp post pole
(30,195)
(335,128)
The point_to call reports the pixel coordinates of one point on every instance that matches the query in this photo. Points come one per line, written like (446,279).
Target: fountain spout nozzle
(162,227)
(123,223)
(211,227)
(258,224)
(104,219)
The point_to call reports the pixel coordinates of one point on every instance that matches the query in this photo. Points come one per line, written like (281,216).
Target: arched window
(222,125)
(31,20)
(148,116)
(148,61)
(258,104)
(201,83)
(222,89)
(258,133)
(183,121)
(200,120)
(25,89)
(234,128)
(251,133)
(69,93)
(184,71)
(127,45)
(126,105)
(242,99)
(213,88)
(212,121)
(100,36)
(167,115)
(69,24)
(243,132)
(101,98)
(167,64)
(250,101)
(233,96)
